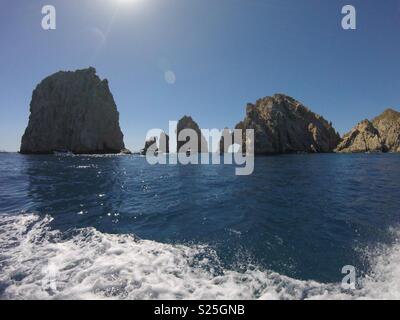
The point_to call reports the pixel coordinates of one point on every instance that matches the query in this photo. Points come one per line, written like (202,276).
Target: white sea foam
(39,263)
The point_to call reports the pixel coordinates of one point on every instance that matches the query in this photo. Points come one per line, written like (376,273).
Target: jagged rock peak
(388,114)
(382,134)
(284,125)
(186,122)
(364,137)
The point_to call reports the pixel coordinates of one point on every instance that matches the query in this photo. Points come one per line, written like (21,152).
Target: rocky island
(74,112)
(382,134)
(283,125)
(186,122)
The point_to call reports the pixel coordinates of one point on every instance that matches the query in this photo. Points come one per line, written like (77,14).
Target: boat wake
(37,262)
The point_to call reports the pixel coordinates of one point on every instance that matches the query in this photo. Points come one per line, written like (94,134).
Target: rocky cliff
(73,111)
(188,123)
(382,134)
(283,125)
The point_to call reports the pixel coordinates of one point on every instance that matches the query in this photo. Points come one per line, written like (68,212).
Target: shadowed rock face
(188,123)
(283,125)
(382,134)
(73,111)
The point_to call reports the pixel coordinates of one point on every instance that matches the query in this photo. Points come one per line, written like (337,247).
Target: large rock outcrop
(283,125)
(188,123)
(73,111)
(382,134)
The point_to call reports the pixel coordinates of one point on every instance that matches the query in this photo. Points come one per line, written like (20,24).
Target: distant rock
(163,146)
(164,143)
(147,144)
(126,151)
(283,125)
(226,135)
(188,123)
(73,111)
(362,138)
(382,134)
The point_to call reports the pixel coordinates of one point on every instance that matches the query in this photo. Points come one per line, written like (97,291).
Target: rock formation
(283,125)
(163,146)
(226,136)
(73,111)
(147,144)
(362,138)
(164,143)
(388,125)
(188,123)
(382,134)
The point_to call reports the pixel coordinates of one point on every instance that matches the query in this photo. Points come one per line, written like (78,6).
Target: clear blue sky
(224,54)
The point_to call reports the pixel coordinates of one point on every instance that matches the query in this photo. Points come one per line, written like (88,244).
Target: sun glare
(128,1)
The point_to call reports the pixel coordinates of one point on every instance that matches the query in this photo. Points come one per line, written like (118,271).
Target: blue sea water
(117,227)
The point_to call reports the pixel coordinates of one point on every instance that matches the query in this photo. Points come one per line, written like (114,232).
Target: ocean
(115,227)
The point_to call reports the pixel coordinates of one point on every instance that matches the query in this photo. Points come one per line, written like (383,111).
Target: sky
(205,58)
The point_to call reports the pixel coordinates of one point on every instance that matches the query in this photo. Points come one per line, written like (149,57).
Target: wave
(37,262)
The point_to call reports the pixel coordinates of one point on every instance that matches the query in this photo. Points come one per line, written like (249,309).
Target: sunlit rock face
(362,138)
(283,125)
(382,134)
(187,122)
(388,125)
(73,111)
